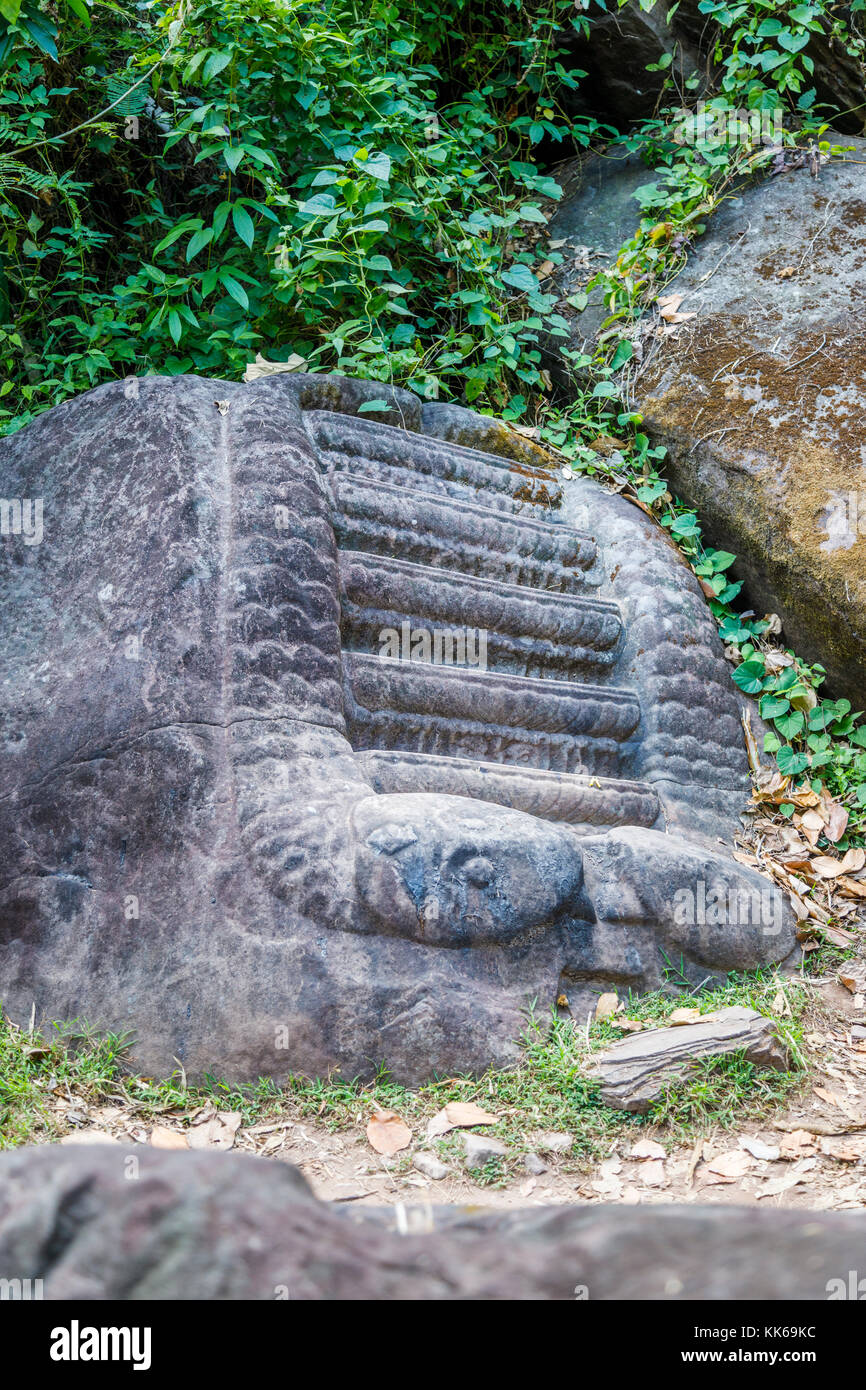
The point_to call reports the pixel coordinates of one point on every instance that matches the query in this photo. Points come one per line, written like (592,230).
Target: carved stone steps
(470,539)
(526,631)
(574,799)
(475,660)
(385,454)
(555,725)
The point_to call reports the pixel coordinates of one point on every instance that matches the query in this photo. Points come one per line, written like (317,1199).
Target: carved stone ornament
(336,730)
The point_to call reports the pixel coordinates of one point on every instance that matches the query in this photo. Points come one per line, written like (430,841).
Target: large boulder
(760,400)
(106,1223)
(623,43)
(634,55)
(331,741)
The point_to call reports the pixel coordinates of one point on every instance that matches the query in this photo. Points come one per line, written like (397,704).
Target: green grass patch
(43,1076)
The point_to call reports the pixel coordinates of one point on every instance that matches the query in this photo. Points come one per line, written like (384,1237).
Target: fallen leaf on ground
(826,867)
(733,1164)
(668,308)
(837,820)
(458,1114)
(780,1004)
(646,1148)
(843,1150)
(607,1183)
(773,1187)
(822,1093)
(758,1149)
(851,863)
(751,743)
(652,1173)
(628,1025)
(680,1017)
(853,979)
(607,443)
(262,367)
(89,1136)
(216,1133)
(163,1138)
(838,936)
(388,1133)
(798,1142)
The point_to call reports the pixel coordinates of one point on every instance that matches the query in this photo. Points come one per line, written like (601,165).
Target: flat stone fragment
(333,741)
(635,1070)
(430,1166)
(481,1149)
(201,1226)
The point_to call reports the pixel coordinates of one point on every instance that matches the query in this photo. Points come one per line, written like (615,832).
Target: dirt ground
(810,1155)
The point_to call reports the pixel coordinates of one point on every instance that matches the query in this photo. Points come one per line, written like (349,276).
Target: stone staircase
(438,538)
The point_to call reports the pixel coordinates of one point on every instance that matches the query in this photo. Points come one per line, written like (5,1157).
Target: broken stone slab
(636,1070)
(204,1226)
(758,397)
(760,400)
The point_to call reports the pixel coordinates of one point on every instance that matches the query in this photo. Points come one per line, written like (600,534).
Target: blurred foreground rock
(99,1223)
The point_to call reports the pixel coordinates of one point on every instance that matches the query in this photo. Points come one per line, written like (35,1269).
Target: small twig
(830,208)
(727,429)
(91,120)
(736,362)
(710,273)
(808,356)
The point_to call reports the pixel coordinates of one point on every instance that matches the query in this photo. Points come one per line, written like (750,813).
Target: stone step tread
(378,683)
(427,529)
(381,591)
(570,797)
(349,442)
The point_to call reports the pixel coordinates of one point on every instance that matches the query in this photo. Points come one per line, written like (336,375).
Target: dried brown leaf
(387,1133)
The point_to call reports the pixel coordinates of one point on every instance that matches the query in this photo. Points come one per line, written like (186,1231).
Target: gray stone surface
(230,827)
(219,1226)
(556,1142)
(623,42)
(430,1166)
(598,214)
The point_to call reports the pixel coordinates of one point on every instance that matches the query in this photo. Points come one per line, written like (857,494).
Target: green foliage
(307,181)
